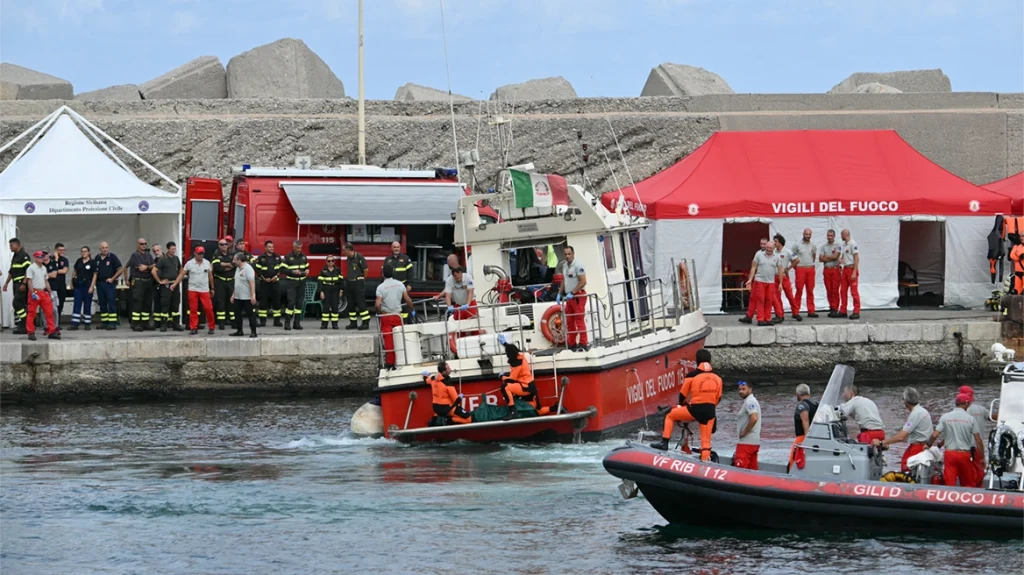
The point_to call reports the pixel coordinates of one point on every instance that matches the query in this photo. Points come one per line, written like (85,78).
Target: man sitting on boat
(458,294)
(916,430)
(803,415)
(865,413)
(519,383)
(961,437)
(698,397)
(447,401)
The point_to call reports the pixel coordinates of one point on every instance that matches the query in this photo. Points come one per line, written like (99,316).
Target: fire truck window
(374,234)
(239,221)
(205,220)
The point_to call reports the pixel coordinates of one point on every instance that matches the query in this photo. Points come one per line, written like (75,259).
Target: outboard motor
(1004,449)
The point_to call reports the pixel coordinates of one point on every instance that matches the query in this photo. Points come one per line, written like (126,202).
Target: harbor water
(275,485)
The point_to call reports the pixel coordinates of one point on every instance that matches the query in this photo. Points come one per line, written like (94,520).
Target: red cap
(966,389)
(962,398)
(38,254)
(200,250)
(228,239)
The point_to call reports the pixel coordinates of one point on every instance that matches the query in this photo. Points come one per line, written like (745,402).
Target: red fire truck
(367,206)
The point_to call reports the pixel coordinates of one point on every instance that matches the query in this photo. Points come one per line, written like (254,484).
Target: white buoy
(368,420)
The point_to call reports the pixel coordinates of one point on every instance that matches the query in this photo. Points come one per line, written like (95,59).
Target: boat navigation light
(246,167)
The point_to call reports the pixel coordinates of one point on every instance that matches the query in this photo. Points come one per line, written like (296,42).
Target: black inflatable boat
(685,490)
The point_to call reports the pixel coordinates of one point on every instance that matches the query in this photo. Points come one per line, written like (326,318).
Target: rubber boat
(643,332)
(840,489)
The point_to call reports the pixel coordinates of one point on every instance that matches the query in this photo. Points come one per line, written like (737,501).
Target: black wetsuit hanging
(996,249)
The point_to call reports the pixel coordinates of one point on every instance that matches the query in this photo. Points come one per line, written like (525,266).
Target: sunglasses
(222,244)
(143,244)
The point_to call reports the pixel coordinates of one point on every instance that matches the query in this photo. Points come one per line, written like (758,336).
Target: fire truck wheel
(552,325)
(342,304)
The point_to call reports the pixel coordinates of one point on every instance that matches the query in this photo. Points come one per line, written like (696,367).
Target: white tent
(68,186)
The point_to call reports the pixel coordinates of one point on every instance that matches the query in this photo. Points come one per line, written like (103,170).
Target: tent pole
(100,143)
(127,151)
(25,133)
(52,118)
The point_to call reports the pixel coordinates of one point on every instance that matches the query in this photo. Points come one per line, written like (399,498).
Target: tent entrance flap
(349,203)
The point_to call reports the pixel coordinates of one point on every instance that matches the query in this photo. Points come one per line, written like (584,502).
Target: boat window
(534,243)
(609,252)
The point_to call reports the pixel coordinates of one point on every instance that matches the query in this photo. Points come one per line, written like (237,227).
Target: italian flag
(539,190)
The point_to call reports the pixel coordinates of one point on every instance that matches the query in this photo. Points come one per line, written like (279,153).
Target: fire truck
(369,207)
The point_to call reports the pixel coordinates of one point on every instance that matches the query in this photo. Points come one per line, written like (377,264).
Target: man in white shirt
(37,282)
(865,413)
(574,292)
(748,426)
(785,287)
(200,279)
(962,440)
(805,256)
(458,294)
(243,296)
(828,254)
(764,270)
(390,295)
(850,259)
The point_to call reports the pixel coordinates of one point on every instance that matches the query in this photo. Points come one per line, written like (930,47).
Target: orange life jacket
(521,372)
(1012,225)
(441,392)
(1017,257)
(704,387)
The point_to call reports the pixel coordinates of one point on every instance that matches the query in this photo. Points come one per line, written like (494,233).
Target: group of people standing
(959,430)
(769,278)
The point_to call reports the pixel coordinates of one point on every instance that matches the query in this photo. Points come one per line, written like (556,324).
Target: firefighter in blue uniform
(16,275)
(224,280)
(268,284)
(401,267)
(355,288)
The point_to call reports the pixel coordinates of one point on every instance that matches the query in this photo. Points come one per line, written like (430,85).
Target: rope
(451,101)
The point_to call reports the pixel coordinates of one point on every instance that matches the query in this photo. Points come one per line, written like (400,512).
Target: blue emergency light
(246,167)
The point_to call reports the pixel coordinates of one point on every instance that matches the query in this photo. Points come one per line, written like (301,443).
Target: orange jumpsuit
(519,383)
(701,392)
(446,400)
(1017,258)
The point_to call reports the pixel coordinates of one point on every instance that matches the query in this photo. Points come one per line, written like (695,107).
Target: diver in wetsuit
(519,383)
(700,394)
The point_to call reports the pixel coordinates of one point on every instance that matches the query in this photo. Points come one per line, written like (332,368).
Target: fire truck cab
(369,207)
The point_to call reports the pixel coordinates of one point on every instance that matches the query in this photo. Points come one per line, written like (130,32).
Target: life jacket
(1017,257)
(701,386)
(521,372)
(1013,226)
(441,392)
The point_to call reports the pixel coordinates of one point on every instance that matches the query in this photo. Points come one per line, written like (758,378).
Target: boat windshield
(841,380)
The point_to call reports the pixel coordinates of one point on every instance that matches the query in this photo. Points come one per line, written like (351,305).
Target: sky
(605,48)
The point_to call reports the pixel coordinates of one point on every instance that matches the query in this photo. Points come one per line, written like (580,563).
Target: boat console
(1006,441)
(831,454)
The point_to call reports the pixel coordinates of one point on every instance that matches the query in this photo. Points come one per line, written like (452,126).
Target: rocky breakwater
(106,367)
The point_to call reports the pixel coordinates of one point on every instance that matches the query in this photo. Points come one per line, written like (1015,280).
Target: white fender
(368,420)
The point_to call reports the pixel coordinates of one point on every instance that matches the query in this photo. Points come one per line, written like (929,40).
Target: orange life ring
(552,325)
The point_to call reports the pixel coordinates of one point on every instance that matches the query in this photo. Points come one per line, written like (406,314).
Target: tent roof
(64,164)
(1011,187)
(807,173)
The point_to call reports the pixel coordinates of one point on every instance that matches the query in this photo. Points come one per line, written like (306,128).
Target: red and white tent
(866,181)
(1013,188)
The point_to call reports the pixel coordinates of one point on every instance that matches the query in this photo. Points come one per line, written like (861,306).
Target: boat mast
(362,103)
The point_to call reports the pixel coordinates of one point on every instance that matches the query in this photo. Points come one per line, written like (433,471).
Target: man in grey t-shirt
(962,439)
(458,294)
(764,270)
(829,254)
(200,277)
(390,294)
(916,430)
(748,428)
(244,296)
(865,413)
(805,257)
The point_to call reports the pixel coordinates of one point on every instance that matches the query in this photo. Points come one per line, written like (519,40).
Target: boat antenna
(362,102)
(622,156)
(451,99)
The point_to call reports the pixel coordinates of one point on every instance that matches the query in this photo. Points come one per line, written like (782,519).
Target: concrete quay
(887,344)
(124,365)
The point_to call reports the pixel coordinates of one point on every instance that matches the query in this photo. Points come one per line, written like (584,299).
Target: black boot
(297,324)
(236,332)
(277,322)
(364,326)
(163,326)
(177,327)
(334,325)
(252,332)
(662,444)
(88,327)
(19,328)
(352,325)
(323,325)
(263,322)
(287,326)
(511,414)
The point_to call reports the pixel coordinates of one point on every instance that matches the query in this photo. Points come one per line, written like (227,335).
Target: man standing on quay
(804,260)
(828,254)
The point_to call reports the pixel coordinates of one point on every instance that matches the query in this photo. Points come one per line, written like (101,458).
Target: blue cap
(739,383)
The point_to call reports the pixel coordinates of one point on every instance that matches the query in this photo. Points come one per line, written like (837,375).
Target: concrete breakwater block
(202,78)
(905,81)
(557,88)
(876,88)
(19,83)
(416,93)
(670,79)
(123,92)
(283,69)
